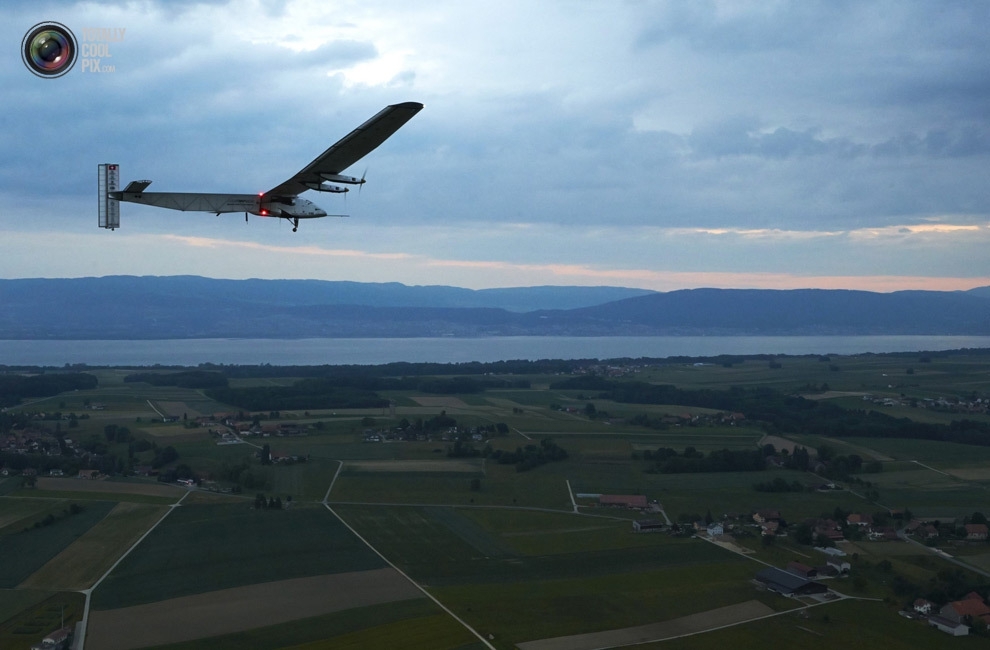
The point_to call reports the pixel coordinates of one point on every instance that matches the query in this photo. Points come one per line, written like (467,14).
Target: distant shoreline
(376,351)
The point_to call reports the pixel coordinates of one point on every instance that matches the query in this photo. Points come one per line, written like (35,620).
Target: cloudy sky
(662,145)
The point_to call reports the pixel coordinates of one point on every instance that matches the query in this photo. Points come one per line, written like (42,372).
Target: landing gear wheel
(295,224)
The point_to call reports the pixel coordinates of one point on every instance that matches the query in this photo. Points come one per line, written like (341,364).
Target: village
(829,536)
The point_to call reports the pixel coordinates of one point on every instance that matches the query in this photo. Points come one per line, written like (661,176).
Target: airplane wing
(351,148)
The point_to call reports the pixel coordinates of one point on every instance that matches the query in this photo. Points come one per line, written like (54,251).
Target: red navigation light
(264,213)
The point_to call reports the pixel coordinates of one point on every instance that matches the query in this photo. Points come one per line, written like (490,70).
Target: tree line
(785,413)
(14,388)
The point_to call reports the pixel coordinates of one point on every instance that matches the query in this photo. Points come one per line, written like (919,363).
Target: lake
(192,352)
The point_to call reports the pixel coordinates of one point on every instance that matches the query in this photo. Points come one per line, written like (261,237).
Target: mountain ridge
(178,307)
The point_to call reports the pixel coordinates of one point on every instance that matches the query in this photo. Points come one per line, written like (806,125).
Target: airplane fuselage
(260,205)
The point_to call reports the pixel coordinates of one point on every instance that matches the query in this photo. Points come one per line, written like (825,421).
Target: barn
(788,584)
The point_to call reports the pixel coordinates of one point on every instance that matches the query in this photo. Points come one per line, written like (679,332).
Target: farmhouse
(923,606)
(802,570)
(788,584)
(977,532)
(57,640)
(971,606)
(648,526)
(763,516)
(949,627)
(859,520)
(634,501)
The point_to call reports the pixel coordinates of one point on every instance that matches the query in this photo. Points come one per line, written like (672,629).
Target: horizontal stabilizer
(136,187)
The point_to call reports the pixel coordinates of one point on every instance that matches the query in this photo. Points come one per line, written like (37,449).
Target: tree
(266,454)
(803,534)
(590,410)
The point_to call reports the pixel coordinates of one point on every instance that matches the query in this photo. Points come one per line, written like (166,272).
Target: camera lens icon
(49,50)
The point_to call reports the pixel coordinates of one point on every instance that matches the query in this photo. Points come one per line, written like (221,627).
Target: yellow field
(111,487)
(440,401)
(450,465)
(427,633)
(244,608)
(83,562)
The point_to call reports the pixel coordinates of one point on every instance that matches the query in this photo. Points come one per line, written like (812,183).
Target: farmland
(422,524)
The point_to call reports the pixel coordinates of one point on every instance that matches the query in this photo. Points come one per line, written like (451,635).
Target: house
(770,528)
(886,534)
(88,473)
(949,627)
(972,606)
(859,520)
(977,532)
(840,566)
(763,516)
(928,532)
(788,584)
(634,501)
(57,640)
(648,526)
(802,570)
(716,529)
(923,606)
(827,529)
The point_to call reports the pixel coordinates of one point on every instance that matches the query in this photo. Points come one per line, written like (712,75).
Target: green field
(414,624)
(208,547)
(25,549)
(504,549)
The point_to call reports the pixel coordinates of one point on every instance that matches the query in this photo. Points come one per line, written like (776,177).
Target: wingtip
(409,105)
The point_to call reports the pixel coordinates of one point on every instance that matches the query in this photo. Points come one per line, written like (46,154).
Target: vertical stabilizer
(109,181)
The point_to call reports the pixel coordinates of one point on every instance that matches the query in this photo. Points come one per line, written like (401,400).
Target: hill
(128,307)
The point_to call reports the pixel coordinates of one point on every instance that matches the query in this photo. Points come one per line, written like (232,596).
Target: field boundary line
(155,409)
(81,644)
(326,497)
(411,581)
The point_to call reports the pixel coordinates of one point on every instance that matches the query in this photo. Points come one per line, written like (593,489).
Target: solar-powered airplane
(283,200)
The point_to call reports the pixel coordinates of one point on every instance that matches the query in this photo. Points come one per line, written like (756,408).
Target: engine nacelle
(337,178)
(323,187)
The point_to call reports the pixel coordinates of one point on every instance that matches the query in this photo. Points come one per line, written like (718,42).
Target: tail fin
(108,178)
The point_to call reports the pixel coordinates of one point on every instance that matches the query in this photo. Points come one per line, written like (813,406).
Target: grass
(516,573)
(382,623)
(39,614)
(433,551)
(526,610)
(81,564)
(540,533)
(206,547)
(14,601)
(437,632)
(23,553)
(853,625)
(68,495)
